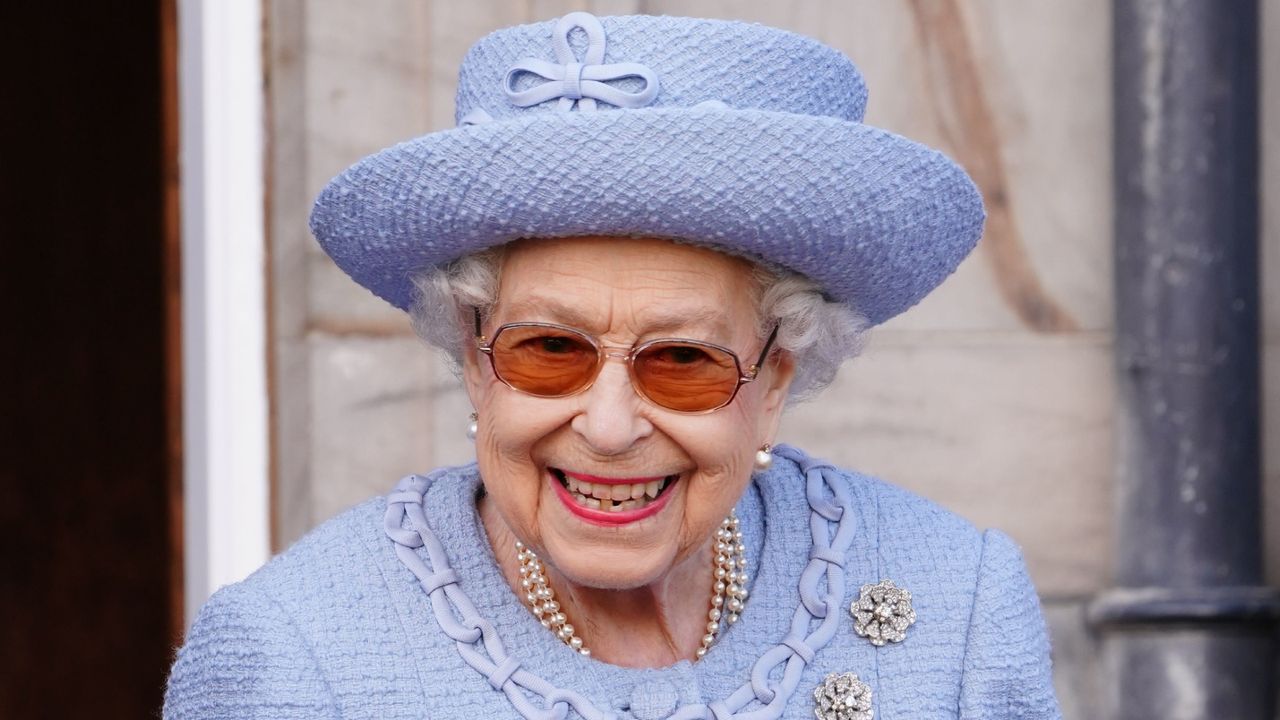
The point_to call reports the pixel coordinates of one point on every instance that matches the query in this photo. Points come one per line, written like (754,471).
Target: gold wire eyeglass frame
(628,355)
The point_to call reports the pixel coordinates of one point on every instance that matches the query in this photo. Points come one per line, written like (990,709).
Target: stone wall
(994,397)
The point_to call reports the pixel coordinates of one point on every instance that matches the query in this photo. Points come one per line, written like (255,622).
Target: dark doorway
(88,568)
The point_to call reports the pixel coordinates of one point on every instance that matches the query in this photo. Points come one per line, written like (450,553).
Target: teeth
(614,497)
(616,493)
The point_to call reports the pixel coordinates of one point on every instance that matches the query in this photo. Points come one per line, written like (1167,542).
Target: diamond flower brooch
(882,613)
(842,696)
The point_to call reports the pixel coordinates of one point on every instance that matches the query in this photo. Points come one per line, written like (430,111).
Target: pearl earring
(473,427)
(764,457)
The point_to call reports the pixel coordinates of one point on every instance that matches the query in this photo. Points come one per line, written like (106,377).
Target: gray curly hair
(819,333)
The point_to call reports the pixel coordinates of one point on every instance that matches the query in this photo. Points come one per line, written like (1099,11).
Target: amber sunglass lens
(686,377)
(546,361)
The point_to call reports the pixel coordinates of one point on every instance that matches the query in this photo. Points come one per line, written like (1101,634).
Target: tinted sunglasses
(551,361)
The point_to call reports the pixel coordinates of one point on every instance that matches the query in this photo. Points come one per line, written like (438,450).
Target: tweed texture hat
(728,134)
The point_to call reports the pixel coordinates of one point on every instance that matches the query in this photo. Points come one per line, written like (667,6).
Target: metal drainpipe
(1187,631)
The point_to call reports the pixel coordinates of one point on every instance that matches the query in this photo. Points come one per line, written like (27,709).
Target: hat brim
(877,220)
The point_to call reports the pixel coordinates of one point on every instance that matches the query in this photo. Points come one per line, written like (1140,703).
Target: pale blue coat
(340,626)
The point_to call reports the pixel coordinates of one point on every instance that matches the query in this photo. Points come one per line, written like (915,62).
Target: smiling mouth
(613,497)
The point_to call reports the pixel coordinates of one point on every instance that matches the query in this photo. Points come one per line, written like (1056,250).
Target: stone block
(451,410)
(366,80)
(291,447)
(1075,652)
(337,305)
(371,423)
(1010,430)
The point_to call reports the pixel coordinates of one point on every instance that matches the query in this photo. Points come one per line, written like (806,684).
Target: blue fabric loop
(411,560)
(771,658)
(503,672)
(719,710)
(402,537)
(450,625)
(815,604)
(827,555)
(529,712)
(828,510)
(404,496)
(579,83)
(573,81)
(825,631)
(818,501)
(429,540)
(562,698)
(437,580)
(415,565)
(555,710)
(595,36)
(461,633)
(806,462)
(534,683)
(488,633)
(764,692)
(844,530)
(799,647)
(741,698)
(477,661)
(586,82)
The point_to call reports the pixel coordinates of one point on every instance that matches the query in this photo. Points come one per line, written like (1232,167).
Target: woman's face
(535,453)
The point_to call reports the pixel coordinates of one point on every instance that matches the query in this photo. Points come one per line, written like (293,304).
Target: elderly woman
(646,237)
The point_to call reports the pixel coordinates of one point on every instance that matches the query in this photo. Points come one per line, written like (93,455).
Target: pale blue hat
(723,133)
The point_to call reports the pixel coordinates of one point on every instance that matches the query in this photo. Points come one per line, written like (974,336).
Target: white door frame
(224,366)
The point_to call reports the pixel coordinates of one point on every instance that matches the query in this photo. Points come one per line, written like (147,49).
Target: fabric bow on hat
(580,83)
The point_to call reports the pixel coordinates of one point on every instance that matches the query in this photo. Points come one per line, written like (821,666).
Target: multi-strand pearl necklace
(728,588)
